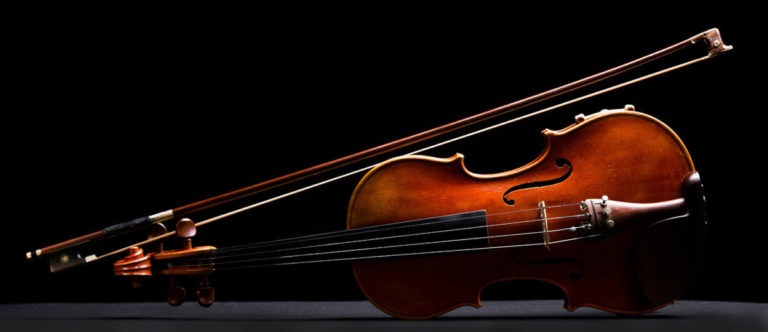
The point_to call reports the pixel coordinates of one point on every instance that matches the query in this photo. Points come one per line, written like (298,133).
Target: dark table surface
(362,316)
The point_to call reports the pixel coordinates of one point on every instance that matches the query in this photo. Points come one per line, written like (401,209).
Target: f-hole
(560,162)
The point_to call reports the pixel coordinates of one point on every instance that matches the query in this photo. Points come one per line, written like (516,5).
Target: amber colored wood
(134,264)
(180,261)
(617,215)
(181,267)
(628,156)
(69,243)
(180,253)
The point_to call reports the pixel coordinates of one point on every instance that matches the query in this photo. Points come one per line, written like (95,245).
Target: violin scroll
(136,265)
(175,263)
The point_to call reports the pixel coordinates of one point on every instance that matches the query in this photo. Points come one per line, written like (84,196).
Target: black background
(114,116)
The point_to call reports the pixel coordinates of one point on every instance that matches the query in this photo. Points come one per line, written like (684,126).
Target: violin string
(422,253)
(372,229)
(215,260)
(479,131)
(219,253)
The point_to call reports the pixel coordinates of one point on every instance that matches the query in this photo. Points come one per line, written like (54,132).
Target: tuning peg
(205,295)
(175,294)
(185,229)
(154,231)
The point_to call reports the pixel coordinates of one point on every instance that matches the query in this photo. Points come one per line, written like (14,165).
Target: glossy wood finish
(69,243)
(134,264)
(628,156)
(184,261)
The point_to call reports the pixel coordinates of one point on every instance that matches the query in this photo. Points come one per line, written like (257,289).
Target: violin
(611,212)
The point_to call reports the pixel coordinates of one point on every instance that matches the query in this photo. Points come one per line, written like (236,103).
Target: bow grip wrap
(126,226)
(67,257)
(110,231)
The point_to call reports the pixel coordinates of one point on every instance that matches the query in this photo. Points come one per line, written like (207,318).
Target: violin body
(639,267)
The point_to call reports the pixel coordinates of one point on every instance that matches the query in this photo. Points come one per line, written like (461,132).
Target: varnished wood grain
(628,156)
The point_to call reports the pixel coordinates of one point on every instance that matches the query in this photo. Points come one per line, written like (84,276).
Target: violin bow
(61,256)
